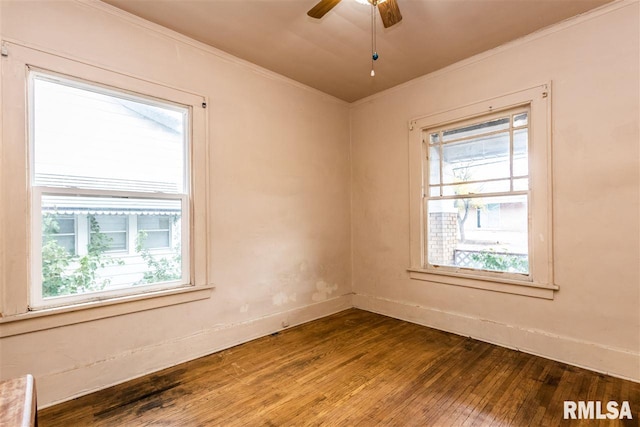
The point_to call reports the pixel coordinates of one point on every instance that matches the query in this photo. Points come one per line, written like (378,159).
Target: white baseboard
(616,362)
(84,379)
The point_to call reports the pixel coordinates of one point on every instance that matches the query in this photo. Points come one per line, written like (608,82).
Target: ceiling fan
(389,11)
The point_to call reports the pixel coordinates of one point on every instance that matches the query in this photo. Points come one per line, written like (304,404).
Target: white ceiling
(333,54)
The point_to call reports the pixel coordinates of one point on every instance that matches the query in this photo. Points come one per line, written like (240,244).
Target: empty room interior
(399,212)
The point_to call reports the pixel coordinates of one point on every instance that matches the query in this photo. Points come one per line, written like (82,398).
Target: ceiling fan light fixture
(388,10)
(370,2)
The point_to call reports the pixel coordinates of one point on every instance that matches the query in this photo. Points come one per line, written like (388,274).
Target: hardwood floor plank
(354,368)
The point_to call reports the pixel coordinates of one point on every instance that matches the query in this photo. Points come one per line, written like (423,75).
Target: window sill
(509,286)
(85,312)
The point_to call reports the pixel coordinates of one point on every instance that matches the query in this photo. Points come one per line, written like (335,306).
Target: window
(154,231)
(104,157)
(481,197)
(59,230)
(85,148)
(480,166)
(113,228)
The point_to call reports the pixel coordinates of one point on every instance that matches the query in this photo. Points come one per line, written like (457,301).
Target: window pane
(521,184)
(87,139)
(95,267)
(481,158)
(67,224)
(154,222)
(520,119)
(476,129)
(520,152)
(112,222)
(434,138)
(59,230)
(485,233)
(434,165)
(116,241)
(155,231)
(66,242)
(112,227)
(157,239)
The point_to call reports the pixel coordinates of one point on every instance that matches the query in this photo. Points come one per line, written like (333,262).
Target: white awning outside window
(109,206)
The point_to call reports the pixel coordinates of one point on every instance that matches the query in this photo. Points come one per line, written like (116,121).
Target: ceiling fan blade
(321,8)
(389,12)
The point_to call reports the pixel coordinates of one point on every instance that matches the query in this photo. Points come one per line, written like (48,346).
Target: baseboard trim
(69,384)
(616,362)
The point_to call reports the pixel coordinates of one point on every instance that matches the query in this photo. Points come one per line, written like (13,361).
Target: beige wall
(279,219)
(594,320)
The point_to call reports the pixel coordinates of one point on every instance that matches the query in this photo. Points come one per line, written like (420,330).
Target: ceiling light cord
(374,53)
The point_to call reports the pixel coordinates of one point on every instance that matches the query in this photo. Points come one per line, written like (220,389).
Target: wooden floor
(353,368)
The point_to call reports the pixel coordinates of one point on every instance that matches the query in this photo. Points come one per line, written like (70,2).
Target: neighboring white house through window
(109,190)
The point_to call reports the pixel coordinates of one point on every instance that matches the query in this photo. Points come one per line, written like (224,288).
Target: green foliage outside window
(491,260)
(66,274)
(159,270)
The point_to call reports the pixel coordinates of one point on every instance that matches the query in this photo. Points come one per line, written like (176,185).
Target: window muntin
(105,156)
(479,168)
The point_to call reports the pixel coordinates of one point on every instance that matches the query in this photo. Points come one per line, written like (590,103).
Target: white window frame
(539,281)
(17,313)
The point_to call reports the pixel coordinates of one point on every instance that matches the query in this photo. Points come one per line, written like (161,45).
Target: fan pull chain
(374,53)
